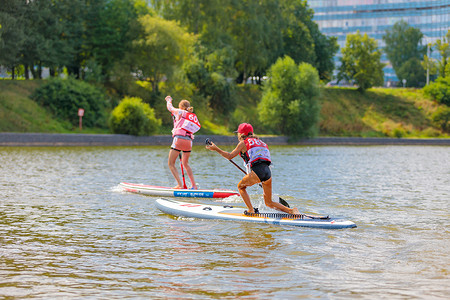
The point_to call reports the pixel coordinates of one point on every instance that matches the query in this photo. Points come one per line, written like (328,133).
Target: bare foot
(295,211)
(177,187)
(194,187)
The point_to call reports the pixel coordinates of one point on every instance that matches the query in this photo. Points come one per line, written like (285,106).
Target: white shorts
(181,143)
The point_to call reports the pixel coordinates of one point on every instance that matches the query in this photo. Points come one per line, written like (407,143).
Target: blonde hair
(184,104)
(249,135)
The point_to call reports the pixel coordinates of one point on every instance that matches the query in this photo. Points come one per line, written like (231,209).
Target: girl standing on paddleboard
(257,157)
(185,124)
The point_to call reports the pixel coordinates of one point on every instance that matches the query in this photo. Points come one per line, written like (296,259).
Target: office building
(342,17)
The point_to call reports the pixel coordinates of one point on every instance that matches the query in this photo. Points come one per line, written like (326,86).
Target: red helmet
(245,129)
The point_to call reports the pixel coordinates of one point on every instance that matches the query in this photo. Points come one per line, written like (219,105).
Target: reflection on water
(66,231)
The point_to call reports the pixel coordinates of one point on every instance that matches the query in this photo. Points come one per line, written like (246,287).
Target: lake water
(67,230)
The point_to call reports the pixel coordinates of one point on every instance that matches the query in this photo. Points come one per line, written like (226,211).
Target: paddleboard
(228,212)
(169,192)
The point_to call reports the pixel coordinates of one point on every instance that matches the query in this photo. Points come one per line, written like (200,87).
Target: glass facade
(341,17)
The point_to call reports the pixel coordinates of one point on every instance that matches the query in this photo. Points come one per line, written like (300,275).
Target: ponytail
(184,104)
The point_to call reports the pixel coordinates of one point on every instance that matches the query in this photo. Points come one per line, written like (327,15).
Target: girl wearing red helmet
(257,157)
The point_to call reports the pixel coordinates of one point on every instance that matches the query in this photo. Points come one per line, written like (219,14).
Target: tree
(404,49)
(160,49)
(289,104)
(210,77)
(360,61)
(12,32)
(303,40)
(108,33)
(412,70)
(403,43)
(258,31)
(444,50)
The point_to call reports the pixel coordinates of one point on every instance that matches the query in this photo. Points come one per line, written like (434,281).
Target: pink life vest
(186,125)
(256,150)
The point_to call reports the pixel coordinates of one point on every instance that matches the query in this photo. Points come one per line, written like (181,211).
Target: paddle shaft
(182,172)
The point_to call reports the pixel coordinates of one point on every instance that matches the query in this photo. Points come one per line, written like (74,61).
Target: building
(341,17)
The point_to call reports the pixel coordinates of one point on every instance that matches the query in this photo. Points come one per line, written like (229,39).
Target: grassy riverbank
(378,112)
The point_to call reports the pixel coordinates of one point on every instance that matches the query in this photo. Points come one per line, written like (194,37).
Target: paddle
(282,201)
(182,173)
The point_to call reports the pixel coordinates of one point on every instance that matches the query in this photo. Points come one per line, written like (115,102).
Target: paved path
(49,139)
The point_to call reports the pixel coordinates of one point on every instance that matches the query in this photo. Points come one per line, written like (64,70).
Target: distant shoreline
(56,139)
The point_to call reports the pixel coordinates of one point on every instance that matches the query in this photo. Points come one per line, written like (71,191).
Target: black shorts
(262,170)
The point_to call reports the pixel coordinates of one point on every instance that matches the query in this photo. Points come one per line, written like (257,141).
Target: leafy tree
(325,48)
(210,78)
(442,66)
(108,34)
(303,40)
(289,104)
(258,31)
(12,32)
(298,42)
(403,43)
(360,61)
(134,117)
(429,64)
(404,50)
(444,50)
(412,71)
(160,49)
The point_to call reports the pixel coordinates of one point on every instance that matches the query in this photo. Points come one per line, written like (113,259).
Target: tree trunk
(33,72)
(40,71)
(27,75)
(13,69)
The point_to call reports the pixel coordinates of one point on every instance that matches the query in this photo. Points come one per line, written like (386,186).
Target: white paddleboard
(228,212)
(153,190)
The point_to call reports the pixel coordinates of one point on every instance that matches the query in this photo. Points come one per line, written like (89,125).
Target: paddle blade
(282,201)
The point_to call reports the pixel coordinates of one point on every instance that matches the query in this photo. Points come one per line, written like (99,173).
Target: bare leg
(267,188)
(173,154)
(187,167)
(248,180)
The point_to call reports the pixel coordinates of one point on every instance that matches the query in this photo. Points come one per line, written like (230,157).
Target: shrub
(134,117)
(63,97)
(441,117)
(439,90)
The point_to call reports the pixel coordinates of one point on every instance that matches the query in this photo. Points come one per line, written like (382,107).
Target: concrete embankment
(48,139)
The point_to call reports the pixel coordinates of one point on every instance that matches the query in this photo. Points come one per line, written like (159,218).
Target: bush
(134,117)
(441,117)
(439,90)
(63,97)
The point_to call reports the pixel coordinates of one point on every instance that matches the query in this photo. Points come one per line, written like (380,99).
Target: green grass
(18,113)
(378,112)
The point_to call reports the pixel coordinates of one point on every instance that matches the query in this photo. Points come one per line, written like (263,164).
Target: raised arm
(228,155)
(170,107)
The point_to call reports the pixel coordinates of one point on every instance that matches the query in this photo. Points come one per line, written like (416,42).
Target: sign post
(80,114)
